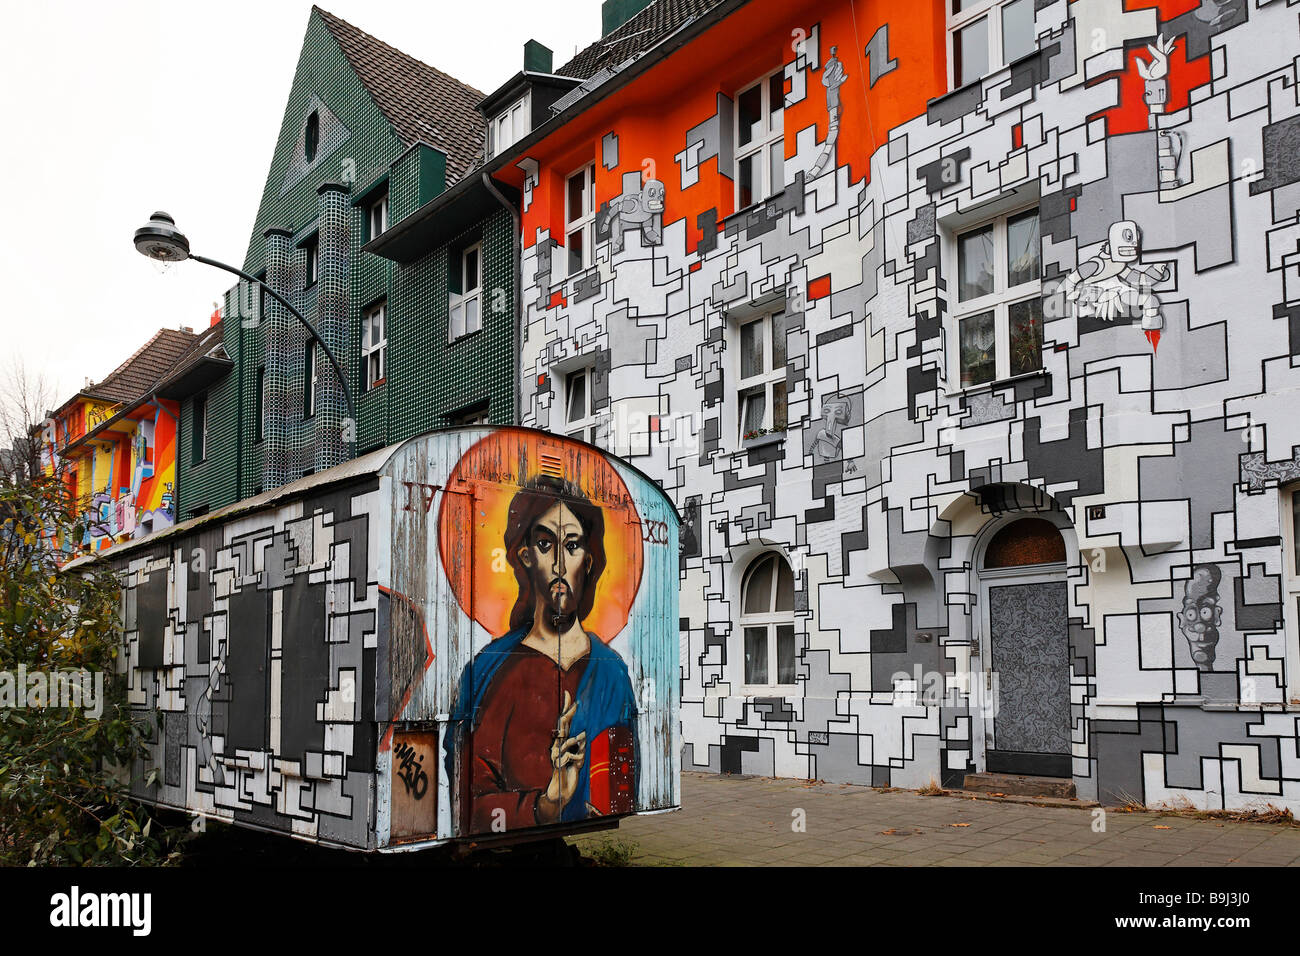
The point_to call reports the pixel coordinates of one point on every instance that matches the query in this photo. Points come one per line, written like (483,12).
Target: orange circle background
(491,471)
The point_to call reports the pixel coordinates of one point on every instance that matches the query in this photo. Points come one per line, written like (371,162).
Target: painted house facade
(369,136)
(962,336)
(114,445)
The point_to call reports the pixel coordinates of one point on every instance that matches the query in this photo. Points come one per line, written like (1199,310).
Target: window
(200,421)
(310,380)
(580,419)
(580,217)
(760,140)
(508,127)
(986,35)
(377,217)
(476,414)
(466,310)
(311,249)
(767,622)
(761,378)
(1290,496)
(999,309)
(259,405)
(311,136)
(374,344)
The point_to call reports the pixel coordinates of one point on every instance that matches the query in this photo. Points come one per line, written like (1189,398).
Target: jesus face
(557,560)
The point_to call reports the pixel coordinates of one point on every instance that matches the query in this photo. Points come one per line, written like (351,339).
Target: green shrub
(63,796)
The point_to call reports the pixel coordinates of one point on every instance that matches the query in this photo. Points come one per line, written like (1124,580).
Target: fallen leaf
(959,824)
(1158,827)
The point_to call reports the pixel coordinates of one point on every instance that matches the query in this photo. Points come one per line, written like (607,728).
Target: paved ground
(747,821)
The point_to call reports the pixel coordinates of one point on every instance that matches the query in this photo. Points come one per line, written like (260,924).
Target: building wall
(1155,439)
(427,379)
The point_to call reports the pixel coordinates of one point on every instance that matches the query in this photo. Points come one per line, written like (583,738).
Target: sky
(116,108)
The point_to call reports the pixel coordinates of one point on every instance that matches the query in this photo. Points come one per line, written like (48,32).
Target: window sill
(467,335)
(771,438)
(999,383)
(376,385)
(754,207)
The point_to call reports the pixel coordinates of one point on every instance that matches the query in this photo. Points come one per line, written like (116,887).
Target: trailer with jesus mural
(471,635)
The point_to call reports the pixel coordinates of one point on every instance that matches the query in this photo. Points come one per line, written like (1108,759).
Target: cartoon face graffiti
(654,196)
(1202,616)
(1123,241)
(550,728)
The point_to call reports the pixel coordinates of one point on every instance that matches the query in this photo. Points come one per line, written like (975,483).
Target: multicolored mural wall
(473,632)
(1066,291)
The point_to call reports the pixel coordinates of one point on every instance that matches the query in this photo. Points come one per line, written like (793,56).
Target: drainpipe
(516,294)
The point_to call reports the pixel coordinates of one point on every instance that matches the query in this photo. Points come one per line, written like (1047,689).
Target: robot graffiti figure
(1113,284)
(643,209)
(1155,73)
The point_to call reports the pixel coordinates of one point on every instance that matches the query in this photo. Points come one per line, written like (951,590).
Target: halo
(472,524)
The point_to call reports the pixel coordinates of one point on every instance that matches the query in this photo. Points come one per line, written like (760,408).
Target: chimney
(538,58)
(615,13)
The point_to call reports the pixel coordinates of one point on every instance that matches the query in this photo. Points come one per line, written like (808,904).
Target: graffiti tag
(409,769)
(656,532)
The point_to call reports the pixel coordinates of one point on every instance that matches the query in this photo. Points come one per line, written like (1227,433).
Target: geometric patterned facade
(1138,399)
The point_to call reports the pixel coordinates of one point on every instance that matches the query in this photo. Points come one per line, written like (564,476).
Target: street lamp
(161,241)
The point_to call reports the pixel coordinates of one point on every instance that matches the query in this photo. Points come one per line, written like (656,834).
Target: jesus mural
(549,728)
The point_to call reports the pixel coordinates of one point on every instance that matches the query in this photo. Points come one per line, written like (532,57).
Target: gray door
(1029,641)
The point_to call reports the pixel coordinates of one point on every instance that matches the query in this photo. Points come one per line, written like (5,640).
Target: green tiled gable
(360,154)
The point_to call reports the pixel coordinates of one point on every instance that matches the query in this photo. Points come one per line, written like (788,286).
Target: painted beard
(562,602)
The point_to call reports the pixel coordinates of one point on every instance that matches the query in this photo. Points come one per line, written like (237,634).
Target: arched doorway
(1026,646)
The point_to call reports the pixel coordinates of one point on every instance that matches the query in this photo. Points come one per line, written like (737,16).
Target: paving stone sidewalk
(746,821)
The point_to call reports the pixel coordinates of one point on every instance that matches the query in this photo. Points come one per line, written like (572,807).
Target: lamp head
(161,241)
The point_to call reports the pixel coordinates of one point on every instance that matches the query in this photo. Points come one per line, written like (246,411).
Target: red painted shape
(695,266)
(214,318)
(1017,136)
(1131,115)
(1153,336)
(1074,204)
(819,288)
(557,300)
(387,740)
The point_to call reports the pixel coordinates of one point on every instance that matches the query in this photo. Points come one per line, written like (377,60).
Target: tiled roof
(134,377)
(422,103)
(207,340)
(645,30)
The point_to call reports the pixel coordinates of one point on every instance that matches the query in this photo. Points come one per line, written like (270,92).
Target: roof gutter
(516,293)
(651,58)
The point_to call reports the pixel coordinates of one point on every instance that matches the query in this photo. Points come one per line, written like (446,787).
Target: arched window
(767,621)
(1023,542)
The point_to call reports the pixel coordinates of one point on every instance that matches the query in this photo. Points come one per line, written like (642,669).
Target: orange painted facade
(653,112)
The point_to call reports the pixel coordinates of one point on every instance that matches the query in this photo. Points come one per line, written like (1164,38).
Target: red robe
(511,746)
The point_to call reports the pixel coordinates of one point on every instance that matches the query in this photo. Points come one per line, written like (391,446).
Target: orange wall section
(652,115)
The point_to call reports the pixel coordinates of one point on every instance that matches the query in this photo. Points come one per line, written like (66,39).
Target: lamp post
(161,241)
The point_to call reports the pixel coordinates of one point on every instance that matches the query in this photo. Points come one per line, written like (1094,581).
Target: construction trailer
(468,636)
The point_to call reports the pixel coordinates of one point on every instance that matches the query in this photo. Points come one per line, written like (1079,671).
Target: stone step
(1013,784)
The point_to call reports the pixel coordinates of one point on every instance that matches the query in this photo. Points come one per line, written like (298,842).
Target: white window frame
(311,378)
(773,133)
(457,326)
(312,269)
(377,216)
(998,301)
(374,355)
(584,222)
(1290,594)
(770,620)
(510,125)
(958,21)
(765,380)
(586,426)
